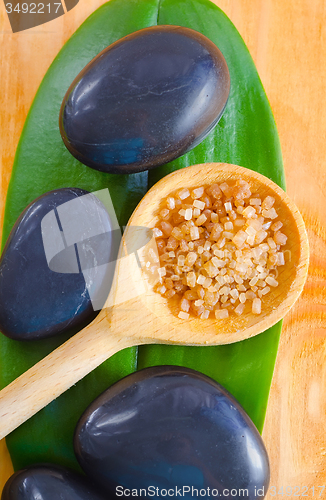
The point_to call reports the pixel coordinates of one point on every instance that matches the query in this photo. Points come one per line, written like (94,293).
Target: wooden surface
(286,40)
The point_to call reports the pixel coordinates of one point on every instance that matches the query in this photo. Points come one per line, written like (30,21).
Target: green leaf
(43,163)
(246,135)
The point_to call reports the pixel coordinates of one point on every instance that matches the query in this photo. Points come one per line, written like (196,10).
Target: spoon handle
(121,323)
(57,372)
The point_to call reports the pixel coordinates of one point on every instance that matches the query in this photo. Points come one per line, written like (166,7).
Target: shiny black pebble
(49,482)
(145,100)
(169,427)
(51,272)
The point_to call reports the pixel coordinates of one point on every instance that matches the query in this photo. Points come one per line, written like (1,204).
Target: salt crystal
(256,306)
(188,214)
(221,314)
(239,309)
(183,194)
(199,204)
(170,203)
(271,281)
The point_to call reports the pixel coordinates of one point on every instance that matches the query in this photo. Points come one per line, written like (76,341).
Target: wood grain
(286,40)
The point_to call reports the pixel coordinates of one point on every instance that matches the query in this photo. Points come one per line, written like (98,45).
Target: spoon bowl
(291,276)
(135,314)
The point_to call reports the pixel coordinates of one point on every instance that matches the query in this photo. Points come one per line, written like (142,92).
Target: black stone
(49,482)
(145,100)
(169,427)
(43,290)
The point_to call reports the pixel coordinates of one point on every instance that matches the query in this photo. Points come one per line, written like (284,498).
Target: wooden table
(286,39)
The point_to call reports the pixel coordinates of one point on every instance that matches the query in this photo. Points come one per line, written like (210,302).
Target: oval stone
(52,270)
(171,427)
(49,482)
(145,100)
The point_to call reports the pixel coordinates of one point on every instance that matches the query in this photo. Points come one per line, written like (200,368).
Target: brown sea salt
(219,249)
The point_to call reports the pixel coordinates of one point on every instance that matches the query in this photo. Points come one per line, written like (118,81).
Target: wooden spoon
(134,314)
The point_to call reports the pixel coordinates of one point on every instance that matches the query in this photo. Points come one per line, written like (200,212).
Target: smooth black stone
(171,427)
(49,482)
(40,299)
(145,100)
